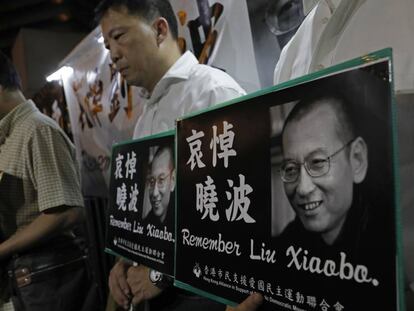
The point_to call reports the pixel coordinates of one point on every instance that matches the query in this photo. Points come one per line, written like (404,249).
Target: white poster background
(233,52)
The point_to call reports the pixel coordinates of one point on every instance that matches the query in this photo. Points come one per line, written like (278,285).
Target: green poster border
(200,292)
(345,66)
(365,60)
(397,198)
(111,252)
(149,137)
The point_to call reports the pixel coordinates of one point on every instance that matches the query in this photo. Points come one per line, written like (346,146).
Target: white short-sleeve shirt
(186,87)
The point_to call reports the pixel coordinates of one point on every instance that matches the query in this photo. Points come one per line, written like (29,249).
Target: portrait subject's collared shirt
(38,168)
(186,87)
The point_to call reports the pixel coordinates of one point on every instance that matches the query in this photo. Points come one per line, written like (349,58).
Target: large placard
(140,220)
(300,205)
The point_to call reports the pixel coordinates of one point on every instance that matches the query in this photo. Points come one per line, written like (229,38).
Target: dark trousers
(49,279)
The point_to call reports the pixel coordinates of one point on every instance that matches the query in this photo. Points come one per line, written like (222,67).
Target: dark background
(56,15)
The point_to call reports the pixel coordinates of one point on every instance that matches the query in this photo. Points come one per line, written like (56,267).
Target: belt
(39,264)
(27,275)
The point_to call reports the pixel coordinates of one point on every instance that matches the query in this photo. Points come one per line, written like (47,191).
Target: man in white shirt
(338,30)
(142,39)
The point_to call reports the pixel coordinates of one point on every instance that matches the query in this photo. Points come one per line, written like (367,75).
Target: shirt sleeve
(54,170)
(221,94)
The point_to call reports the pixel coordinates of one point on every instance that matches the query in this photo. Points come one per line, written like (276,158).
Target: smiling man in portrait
(324,159)
(161,184)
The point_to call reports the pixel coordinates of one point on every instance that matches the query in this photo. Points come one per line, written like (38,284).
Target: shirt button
(325,20)
(320,67)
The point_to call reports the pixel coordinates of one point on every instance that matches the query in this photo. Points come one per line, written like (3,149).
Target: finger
(120,299)
(123,285)
(18,273)
(123,297)
(138,298)
(136,288)
(116,291)
(251,303)
(120,273)
(134,281)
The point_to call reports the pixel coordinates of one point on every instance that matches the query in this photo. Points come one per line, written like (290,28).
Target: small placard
(140,220)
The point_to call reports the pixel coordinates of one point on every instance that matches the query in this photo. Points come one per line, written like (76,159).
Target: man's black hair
(345,128)
(165,148)
(9,78)
(146,9)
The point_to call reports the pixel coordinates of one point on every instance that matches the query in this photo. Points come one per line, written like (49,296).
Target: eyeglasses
(316,166)
(161,181)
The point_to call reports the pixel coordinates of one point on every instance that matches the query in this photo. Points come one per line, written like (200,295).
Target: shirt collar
(179,71)
(13,118)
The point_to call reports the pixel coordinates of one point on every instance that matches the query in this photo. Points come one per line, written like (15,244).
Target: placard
(140,221)
(299,203)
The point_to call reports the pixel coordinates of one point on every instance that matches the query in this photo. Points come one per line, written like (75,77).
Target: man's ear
(161,28)
(359,159)
(172,187)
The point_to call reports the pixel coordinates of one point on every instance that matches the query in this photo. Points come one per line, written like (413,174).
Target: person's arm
(45,226)
(251,303)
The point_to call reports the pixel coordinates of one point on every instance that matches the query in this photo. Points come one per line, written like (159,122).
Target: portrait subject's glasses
(315,166)
(160,180)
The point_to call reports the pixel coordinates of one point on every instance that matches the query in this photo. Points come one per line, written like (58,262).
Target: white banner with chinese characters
(103,110)
(218,33)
